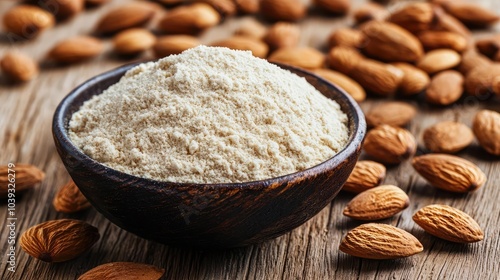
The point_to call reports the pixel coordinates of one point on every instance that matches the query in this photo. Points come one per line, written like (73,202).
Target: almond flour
(210,115)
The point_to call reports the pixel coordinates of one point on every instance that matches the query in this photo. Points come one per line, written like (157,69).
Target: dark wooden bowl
(207,215)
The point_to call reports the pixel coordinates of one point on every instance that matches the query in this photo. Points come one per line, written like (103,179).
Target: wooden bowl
(207,215)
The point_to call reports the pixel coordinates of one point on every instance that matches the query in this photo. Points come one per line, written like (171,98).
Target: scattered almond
(446,22)
(123,271)
(379,242)
(432,40)
(76,49)
(18,67)
(247,6)
(370,11)
(283,35)
(486,127)
(224,7)
(445,88)
(191,19)
(334,6)
(479,81)
(447,137)
(304,57)
(286,10)
(414,17)
(439,60)
(349,85)
(174,44)
(345,36)
(390,145)
(58,240)
(489,46)
(133,41)
(251,28)
(25,175)
(448,223)
(27,21)
(472,59)
(94,3)
(414,80)
(377,77)
(392,113)
(366,174)
(470,14)
(126,16)
(67,8)
(69,199)
(449,172)
(258,48)
(343,59)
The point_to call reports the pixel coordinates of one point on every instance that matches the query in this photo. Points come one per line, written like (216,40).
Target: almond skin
(26,176)
(489,46)
(58,240)
(304,57)
(133,41)
(349,85)
(414,17)
(486,127)
(380,242)
(334,6)
(446,22)
(347,37)
(123,270)
(390,145)
(258,48)
(479,81)
(447,137)
(251,28)
(224,7)
(377,77)
(27,21)
(449,172)
(191,19)
(343,59)
(286,10)
(439,60)
(126,16)
(445,88)
(432,40)
(472,59)
(470,14)
(365,175)
(76,49)
(282,35)
(414,80)
(67,8)
(392,113)
(377,203)
(174,44)
(448,223)
(248,6)
(389,42)
(19,67)
(94,3)
(69,199)
(370,11)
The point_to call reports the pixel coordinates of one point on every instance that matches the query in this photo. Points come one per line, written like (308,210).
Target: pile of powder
(209,115)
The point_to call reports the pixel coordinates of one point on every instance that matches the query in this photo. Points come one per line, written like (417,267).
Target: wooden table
(308,252)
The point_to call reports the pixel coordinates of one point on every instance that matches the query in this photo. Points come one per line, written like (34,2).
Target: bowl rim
(60,135)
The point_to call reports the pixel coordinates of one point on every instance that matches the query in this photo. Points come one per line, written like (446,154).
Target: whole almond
(224,7)
(76,49)
(471,14)
(479,81)
(432,40)
(174,44)
(365,175)
(448,223)
(27,21)
(191,19)
(349,85)
(343,59)
(447,137)
(486,127)
(18,67)
(94,3)
(414,17)
(69,199)
(489,46)
(389,42)
(67,8)
(449,172)
(257,47)
(376,77)
(390,145)
(304,57)
(379,242)
(446,22)
(345,36)
(283,35)
(286,10)
(25,176)
(370,11)
(58,240)
(334,6)
(392,113)
(439,60)
(472,59)
(445,88)
(414,80)
(123,271)
(377,203)
(251,28)
(126,16)
(247,6)
(133,41)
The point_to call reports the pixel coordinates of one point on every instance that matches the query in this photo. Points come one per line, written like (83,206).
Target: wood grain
(308,252)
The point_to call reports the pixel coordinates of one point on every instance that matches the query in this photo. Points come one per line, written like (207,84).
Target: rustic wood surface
(308,252)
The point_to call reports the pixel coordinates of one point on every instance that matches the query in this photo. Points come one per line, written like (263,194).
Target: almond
(376,77)
(347,37)
(286,10)
(445,88)
(251,28)
(379,242)
(470,14)
(24,176)
(414,17)
(334,6)
(447,137)
(439,60)
(258,48)
(133,41)
(377,203)
(449,172)
(224,7)
(76,49)
(392,113)
(27,21)
(472,59)
(343,59)
(283,35)
(390,145)
(479,81)
(432,40)
(191,19)
(349,85)
(174,44)
(123,271)
(94,3)
(489,46)
(58,240)
(66,8)
(248,6)
(486,127)
(414,80)
(370,11)
(365,175)
(69,199)
(304,57)
(126,16)
(448,223)
(18,67)
(390,42)
(446,22)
